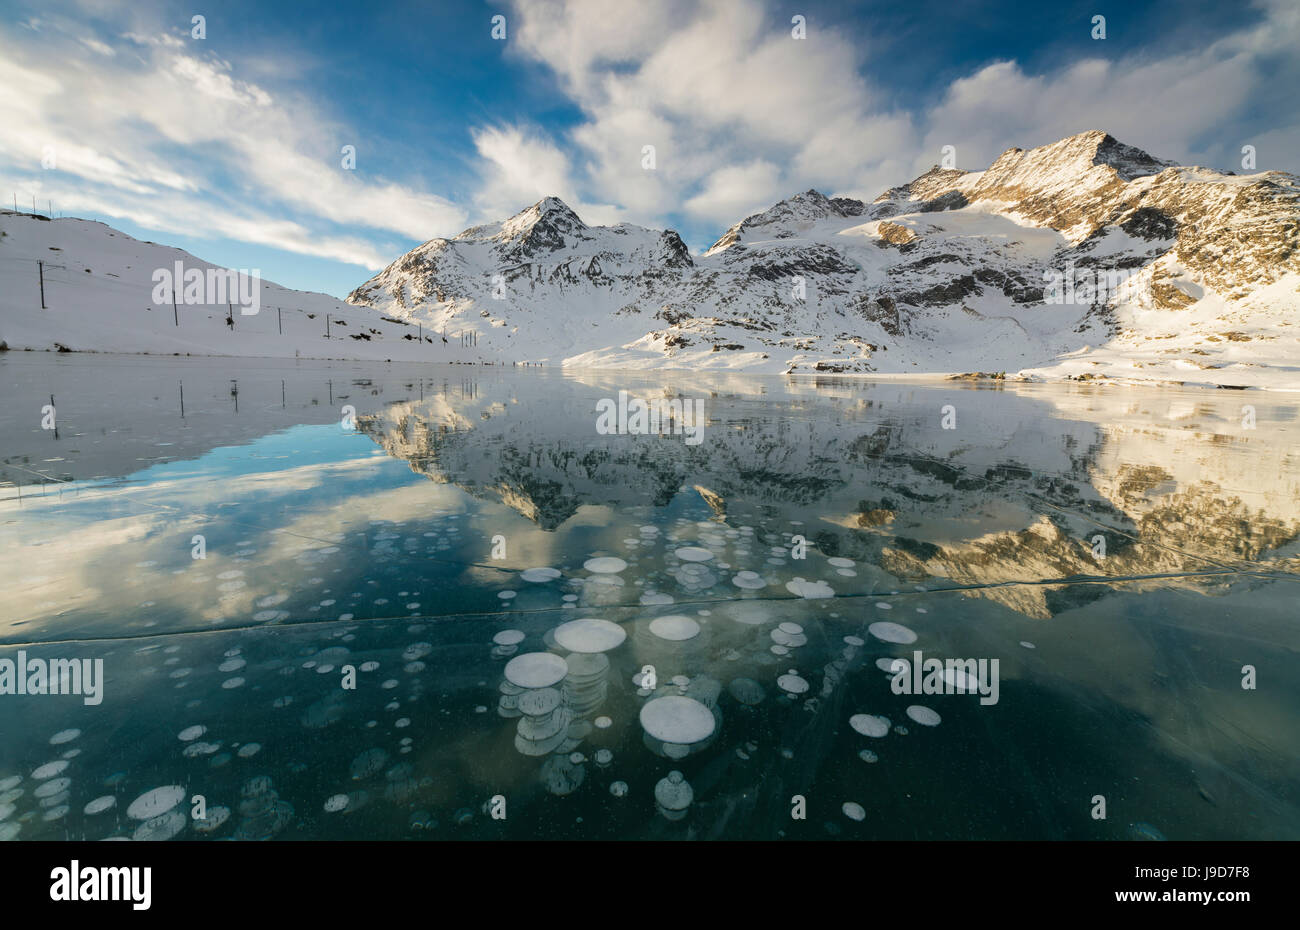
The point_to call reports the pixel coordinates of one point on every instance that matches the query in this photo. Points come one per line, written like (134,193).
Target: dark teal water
(1122,553)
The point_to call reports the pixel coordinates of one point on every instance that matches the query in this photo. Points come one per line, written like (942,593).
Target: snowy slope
(99,298)
(947,274)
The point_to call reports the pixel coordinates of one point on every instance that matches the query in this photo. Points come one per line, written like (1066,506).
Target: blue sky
(229,145)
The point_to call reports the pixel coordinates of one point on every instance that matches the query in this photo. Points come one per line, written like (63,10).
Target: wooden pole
(40,267)
(279,320)
(327,326)
(182,400)
(175,316)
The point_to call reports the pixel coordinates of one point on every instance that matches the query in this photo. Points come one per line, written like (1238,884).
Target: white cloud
(734,105)
(723,92)
(154,130)
(737,190)
(1188,106)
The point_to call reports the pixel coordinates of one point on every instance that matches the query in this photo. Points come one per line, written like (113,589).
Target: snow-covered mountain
(1083,258)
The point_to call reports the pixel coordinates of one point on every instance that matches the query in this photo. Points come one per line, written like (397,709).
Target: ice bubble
(534,670)
(561,775)
(673,795)
(923,715)
(693,554)
(163,827)
(336,802)
(748,580)
(64,736)
(891,632)
(368,763)
(191,732)
(50,769)
(416,651)
(248,750)
(677,719)
(869,725)
(605,565)
(855,640)
(618,789)
(155,802)
(809,589)
(791,683)
(589,635)
(54,786)
(603,723)
(854,811)
(100,804)
(1028,645)
(674,627)
(231,683)
(867,755)
(746,690)
(539,575)
(508,637)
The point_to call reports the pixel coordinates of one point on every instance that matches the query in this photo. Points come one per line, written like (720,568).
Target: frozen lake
(306,581)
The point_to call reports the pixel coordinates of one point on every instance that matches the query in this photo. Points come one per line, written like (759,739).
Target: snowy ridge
(950,273)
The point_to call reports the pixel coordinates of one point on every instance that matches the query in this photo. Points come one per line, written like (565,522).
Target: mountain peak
(551,210)
(1079,152)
